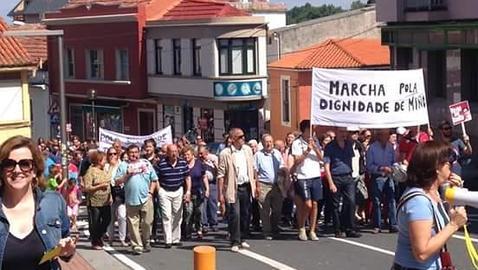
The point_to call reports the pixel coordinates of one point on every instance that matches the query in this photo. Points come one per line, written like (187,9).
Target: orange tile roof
(36,46)
(12,53)
(202,9)
(120,3)
(345,53)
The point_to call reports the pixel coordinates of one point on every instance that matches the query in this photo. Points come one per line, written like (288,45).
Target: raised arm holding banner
(368,98)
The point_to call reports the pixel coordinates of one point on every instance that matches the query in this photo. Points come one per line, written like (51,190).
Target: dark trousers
(156,215)
(345,189)
(100,218)
(209,213)
(238,214)
(192,216)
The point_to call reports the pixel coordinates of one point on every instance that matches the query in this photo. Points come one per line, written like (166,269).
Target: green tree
(357,4)
(309,12)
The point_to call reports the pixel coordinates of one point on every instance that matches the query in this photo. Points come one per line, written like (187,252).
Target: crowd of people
(341,180)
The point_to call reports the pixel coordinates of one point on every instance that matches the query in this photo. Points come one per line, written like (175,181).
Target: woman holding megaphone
(421,210)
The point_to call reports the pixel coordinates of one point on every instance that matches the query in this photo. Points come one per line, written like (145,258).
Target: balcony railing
(425,5)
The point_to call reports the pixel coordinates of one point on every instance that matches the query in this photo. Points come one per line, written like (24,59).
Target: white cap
(402,131)
(353,128)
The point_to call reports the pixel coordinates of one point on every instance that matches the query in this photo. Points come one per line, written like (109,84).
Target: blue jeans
(383,190)
(209,211)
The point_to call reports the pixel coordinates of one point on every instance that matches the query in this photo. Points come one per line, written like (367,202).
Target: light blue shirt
(136,188)
(378,156)
(417,208)
(267,165)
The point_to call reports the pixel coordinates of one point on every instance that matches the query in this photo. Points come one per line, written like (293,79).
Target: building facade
(104,66)
(16,66)
(291,77)
(441,37)
(208,69)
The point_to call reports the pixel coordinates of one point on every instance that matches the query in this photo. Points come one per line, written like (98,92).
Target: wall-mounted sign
(238,89)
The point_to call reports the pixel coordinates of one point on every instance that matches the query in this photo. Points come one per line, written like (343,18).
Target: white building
(208,69)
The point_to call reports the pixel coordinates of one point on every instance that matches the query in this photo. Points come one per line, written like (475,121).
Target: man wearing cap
(338,156)
(461,147)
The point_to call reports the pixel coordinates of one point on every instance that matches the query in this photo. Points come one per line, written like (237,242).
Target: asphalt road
(371,252)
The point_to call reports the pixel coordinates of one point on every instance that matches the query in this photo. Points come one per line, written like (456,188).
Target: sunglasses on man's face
(25,165)
(112,154)
(446,128)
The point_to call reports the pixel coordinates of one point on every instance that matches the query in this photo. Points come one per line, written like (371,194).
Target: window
(196,57)
(122,65)
(469,74)
(177,56)
(436,74)
(94,64)
(285,100)
(70,63)
(237,56)
(158,50)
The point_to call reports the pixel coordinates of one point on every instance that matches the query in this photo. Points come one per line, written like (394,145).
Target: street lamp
(92,97)
(59,35)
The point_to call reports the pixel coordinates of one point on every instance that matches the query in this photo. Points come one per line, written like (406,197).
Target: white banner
(107,137)
(368,98)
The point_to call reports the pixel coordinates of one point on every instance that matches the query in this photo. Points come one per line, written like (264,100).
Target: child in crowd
(70,193)
(54,181)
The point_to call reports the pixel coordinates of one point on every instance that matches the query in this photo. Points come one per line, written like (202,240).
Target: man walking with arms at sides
(140,180)
(174,188)
(308,186)
(380,159)
(236,186)
(338,156)
(269,164)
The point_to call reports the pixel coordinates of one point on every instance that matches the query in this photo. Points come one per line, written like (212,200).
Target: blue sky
(7,5)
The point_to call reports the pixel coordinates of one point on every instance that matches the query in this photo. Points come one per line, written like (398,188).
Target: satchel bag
(361,189)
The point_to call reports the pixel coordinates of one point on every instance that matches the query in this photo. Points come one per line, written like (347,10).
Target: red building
(104,65)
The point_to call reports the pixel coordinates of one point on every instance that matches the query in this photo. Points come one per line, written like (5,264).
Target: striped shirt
(171,178)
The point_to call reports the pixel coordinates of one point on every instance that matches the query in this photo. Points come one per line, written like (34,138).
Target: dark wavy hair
(17,142)
(427,158)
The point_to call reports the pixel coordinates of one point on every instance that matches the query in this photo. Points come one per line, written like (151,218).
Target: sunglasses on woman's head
(25,165)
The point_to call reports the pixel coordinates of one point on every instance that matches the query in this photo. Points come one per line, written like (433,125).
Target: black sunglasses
(25,165)
(112,154)
(446,128)
(241,137)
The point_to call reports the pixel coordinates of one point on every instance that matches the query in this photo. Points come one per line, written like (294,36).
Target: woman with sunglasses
(32,222)
(421,209)
(118,208)
(98,189)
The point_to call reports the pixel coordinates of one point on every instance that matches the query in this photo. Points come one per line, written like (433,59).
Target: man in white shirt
(308,186)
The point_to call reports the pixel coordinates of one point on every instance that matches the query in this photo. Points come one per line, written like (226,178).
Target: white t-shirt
(310,167)
(241,165)
(355,161)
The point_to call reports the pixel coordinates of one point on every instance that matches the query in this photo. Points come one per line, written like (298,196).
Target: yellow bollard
(204,258)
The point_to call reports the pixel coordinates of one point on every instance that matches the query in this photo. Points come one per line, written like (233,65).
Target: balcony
(425,5)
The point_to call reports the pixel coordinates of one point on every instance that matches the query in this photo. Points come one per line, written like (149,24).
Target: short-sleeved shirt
(267,165)
(417,208)
(407,146)
(171,178)
(93,177)
(197,173)
(310,167)
(458,147)
(340,159)
(52,184)
(137,186)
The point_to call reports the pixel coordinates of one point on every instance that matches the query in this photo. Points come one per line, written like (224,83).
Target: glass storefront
(82,119)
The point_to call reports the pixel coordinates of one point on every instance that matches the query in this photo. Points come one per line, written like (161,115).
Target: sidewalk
(77,262)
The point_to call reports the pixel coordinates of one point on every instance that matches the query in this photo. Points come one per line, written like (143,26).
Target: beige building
(16,66)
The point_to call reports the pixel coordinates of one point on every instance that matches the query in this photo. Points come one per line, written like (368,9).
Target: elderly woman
(98,189)
(421,209)
(32,222)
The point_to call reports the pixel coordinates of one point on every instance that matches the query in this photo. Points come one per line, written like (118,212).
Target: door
(147,122)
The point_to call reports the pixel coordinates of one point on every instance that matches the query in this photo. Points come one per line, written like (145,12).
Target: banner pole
(463,128)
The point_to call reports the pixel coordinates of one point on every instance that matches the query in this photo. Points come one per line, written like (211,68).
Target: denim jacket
(51,222)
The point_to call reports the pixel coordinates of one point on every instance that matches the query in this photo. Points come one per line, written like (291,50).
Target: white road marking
(122,258)
(457,236)
(381,250)
(263,259)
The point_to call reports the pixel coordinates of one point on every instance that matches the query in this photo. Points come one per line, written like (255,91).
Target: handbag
(361,189)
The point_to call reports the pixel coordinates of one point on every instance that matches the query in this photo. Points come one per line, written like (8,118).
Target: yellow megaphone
(461,197)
